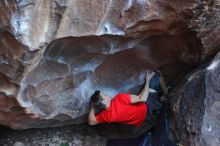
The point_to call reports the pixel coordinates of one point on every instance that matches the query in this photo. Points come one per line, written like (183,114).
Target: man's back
(122,111)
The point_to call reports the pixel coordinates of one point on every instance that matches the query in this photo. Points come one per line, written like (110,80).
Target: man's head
(100,100)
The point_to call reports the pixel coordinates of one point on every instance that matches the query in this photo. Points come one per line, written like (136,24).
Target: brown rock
(205,22)
(51,58)
(195,106)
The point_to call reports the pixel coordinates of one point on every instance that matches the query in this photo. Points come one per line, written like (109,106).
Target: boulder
(195,106)
(54,54)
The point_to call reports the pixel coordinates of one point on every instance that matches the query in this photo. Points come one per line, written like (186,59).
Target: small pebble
(18,144)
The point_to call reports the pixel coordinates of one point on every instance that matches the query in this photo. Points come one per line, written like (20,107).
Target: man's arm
(142,97)
(91,118)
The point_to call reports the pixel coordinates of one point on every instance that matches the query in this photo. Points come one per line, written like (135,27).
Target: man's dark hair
(96,100)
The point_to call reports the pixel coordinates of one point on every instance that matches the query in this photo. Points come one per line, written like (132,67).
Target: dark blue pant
(153,97)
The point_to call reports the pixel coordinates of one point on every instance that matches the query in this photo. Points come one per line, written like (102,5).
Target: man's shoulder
(122,95)
(123,98)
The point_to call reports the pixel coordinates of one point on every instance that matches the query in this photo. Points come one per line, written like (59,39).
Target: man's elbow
(92,121)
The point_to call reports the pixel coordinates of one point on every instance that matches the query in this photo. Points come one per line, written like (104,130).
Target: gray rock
(18,144)
(195,106)
(77,142)
(47,75)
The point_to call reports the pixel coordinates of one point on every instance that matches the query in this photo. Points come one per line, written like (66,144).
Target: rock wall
(36,23)
(53,54)
(195,106)
(205,22)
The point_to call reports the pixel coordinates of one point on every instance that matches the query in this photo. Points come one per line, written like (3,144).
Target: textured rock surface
(205,22)
(51,59)
(38,22)
(196,106)
(65,136)
(57,86)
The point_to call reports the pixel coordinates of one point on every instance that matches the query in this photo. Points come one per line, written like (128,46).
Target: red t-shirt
(122,111)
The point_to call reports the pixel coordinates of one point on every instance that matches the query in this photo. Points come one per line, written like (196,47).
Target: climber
(127,108)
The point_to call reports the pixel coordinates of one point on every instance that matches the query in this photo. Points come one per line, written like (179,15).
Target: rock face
(36,23)
(195,106)
(205,22)
(53,54)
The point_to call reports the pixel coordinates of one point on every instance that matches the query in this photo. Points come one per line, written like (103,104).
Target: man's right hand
(149,75)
